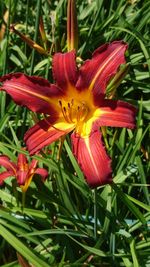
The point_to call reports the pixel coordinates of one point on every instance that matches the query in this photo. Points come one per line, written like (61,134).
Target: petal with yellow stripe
(96,73)
(116,114)
(64,69)
(45,132)
(22,173)
(92,158)
(34,92)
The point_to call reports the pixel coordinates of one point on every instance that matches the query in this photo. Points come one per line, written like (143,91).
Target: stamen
(64,111)
(72,112)
(60,103)
(82,112)
(72,101)
(78,114)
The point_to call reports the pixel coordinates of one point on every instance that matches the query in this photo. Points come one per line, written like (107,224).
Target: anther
(60,103)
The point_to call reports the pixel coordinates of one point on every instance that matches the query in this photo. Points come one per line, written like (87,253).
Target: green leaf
(21,248)
(125,199)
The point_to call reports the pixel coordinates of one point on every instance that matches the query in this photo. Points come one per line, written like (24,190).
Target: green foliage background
(64,222)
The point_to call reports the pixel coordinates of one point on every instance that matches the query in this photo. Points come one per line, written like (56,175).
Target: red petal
(44,133)
(22,177)
(22,162)
(33,92)
(92,158)
(42,172)
(116,114)
(5,175)
(6,163)
(33,165)
(95,73)
(64,69)
(22,172)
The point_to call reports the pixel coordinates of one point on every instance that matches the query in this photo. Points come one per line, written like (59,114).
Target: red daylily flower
(23,171)
(77,102)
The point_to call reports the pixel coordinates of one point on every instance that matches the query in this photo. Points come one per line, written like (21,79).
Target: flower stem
(95,213)
(23,200)
(104,132)
(5,67)
(26,26)
(37,21)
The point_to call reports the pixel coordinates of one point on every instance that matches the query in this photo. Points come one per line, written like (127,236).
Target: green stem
(23,200)
(36,33)
(26,28)
(95,213)
(3,96)
(104,132)
(47,68)
(91,29)
(7,40)
(24,117)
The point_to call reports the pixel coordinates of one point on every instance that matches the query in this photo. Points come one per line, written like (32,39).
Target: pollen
(74,111)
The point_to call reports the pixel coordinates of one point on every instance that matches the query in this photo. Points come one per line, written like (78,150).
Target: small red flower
(77,102)
(23,171)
